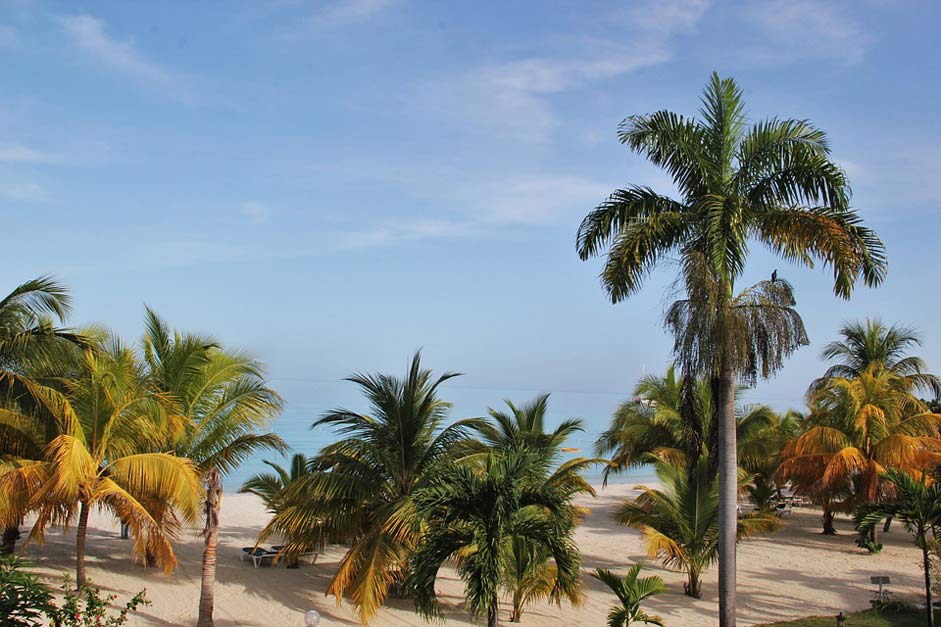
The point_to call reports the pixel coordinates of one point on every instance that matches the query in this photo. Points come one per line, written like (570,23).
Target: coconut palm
(105,458)
(917,505)
(30,341)
(270,486)
(680,521)
(761,441)
(631,590)
(474,513)
(360,490)
(772,182)
(865,345)
(857,428)
(224,403)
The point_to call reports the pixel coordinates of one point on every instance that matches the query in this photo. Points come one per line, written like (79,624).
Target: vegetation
(25,601)
(904,618)
(773,182)
(917,505)
(361,489)
(631,590)
(680,521)
(475,512)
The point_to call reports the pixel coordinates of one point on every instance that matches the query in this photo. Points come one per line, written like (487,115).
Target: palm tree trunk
(728,496)
(927,566)
(211,538)
(828,528)
(693,585)
(492,612)
(80,533)
(10,535)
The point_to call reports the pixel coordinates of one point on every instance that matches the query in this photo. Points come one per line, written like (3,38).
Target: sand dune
(792,573)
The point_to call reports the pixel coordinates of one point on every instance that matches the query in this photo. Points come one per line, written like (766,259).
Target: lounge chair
(309,556)
(257,555)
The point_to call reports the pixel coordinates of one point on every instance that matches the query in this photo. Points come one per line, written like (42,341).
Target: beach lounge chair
(309,556)
(257,555)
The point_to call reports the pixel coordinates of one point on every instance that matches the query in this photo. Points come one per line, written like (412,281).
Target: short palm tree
(874,343)
(270,486)
(772,182)
(918,506)
(761,442)
(680,521)
(474,513)
(631,590)
(857,428)
(224,403)
(105,457)
(360,490)
(530,575)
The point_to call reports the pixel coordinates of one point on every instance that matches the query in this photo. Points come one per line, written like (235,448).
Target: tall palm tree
(360,490)
(918,507)
(865,345)
(631,590)
(474,513)
(30,340)
(680,521)
(857,428)
(772,182)
(224,403)
(105,457)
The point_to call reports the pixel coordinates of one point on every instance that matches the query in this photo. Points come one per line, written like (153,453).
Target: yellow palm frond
(172,478)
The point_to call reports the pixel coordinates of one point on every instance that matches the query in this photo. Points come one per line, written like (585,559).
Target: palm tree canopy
(631,590)
(525,425)
(917,504)
(772,182)
(269,486)
(473,514)
(361,488)
(864,345)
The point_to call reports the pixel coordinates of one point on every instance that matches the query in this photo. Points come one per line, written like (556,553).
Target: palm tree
(680,521)
(856,429)
(360,490)
(918,507)
(773,182)
(864,345)
(29,341)
(529,574)
(473,513)
(269,487)
(631,591)
(224,401)
(104,458)
(762,438)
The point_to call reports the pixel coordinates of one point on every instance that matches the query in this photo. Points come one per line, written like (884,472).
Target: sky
(334,185)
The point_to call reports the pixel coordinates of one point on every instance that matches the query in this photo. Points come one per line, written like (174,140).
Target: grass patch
(887,618)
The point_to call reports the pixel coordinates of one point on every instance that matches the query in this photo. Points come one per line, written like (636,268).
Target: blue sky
(332,185)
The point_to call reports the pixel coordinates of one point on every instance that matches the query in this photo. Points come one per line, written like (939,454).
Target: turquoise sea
(307,400)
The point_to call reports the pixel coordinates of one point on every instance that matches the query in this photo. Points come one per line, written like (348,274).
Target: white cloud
(16,153)
(255,211)
(88,33)
(803,29)
(515,97)
(393,232)
(343,12)
(9,37)
(23,191)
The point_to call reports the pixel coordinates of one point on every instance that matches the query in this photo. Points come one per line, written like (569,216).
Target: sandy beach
(792,573)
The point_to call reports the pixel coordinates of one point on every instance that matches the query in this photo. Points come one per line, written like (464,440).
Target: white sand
(792,573)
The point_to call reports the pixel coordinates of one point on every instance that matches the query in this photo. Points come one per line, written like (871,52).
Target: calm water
(305,401)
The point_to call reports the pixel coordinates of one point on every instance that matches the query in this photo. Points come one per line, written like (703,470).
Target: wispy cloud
(24,191)
(89,35)
(255,211)
(515,97)
(9,37)
(17,153)
(791,30)
(393,232)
